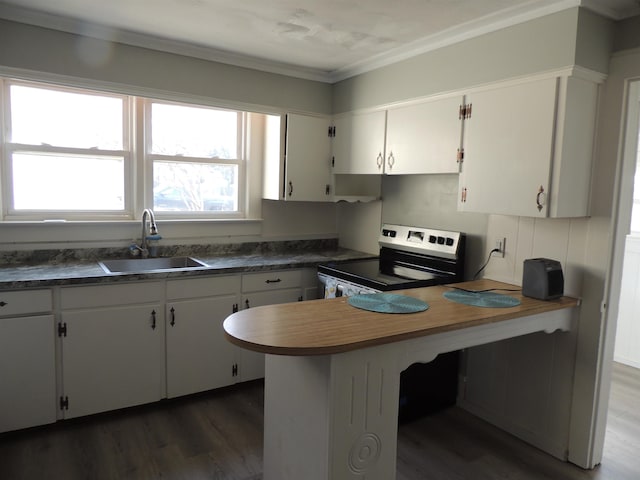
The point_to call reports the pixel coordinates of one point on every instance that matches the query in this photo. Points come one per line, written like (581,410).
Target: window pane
(64,119)
(50,182)
(195,187)
(193,131)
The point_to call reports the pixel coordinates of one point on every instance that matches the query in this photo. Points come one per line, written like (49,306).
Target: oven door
(337,287)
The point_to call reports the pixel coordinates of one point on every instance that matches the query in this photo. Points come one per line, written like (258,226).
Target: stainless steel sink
(147,265)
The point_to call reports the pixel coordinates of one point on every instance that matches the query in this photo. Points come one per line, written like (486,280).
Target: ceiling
(325,40)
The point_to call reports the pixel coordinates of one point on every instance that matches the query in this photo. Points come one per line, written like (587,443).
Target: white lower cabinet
(27,360)
(199,357)
(130,343)
(112,347)
(266,288)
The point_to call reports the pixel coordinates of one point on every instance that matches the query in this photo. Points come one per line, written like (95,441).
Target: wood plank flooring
(218,436)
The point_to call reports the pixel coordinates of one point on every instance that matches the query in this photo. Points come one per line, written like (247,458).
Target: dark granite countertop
(79,271)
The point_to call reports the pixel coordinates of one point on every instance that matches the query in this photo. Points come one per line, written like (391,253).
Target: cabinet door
(27,372)
(508,145)
(112,358)
(308,159)
(252,363)
(359,142)
(424,138)
(199,357)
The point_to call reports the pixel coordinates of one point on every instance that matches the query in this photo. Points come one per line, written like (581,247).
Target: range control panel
(427,241)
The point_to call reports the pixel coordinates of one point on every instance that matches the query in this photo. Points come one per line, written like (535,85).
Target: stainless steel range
(410,257)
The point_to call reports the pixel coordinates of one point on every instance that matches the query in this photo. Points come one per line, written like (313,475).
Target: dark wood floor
(218,436)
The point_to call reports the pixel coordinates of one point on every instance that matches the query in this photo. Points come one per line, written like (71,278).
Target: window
(71,153)
(66,151)
(195,154)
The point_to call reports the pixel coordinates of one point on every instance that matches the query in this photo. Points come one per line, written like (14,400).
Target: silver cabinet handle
(391,160)
(379,160)
(541,198)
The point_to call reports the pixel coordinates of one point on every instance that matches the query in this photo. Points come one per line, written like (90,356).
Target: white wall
(42,54)
(546,43)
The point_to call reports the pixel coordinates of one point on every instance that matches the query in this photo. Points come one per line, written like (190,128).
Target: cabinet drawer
(111,295)
(203,287)
(25,302)
(255,282)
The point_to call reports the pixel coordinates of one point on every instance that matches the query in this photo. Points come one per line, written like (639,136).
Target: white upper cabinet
(298,168)
(359,143)
(413,139)
(528,149)
(424,138)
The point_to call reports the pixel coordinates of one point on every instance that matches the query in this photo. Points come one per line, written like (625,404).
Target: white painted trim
(604,9)
(621,218)
(626,361)
(457,34)
(102,32)
(568,71)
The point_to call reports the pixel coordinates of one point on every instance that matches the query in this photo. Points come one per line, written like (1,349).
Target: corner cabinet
(297,163)
(528,148)
(27,359)
(112,346)
(199,357)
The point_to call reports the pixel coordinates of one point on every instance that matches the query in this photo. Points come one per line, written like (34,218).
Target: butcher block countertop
(328,326)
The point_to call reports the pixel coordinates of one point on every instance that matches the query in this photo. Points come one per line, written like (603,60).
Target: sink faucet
(148,220)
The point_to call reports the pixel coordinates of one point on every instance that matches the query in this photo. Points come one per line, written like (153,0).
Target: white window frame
(240,162)
(9,213)
(138,173)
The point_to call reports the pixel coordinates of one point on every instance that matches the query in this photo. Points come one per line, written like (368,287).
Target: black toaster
(542,279)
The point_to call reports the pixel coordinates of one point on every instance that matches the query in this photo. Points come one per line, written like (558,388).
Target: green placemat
(387,303)
(482,299)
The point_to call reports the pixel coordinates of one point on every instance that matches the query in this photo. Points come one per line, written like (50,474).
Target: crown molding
(151,42)
(490,23)
(460,33)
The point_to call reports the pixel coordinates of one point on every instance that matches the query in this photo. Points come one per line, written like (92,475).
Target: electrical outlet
(500,245)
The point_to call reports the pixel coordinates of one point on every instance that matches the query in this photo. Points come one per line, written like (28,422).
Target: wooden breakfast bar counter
(333,371)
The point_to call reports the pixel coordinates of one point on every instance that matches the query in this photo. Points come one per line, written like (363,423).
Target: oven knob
(432,239)
(388,233)
(440,240)
(449,241)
